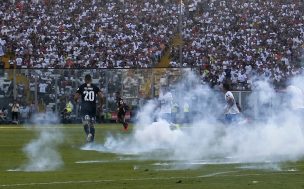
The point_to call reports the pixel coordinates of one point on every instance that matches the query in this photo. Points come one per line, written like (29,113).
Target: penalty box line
(216,174)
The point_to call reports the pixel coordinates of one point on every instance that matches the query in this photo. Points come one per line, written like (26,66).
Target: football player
(88,93)
(122,109)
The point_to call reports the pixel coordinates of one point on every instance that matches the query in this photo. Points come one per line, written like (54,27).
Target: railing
(51,89)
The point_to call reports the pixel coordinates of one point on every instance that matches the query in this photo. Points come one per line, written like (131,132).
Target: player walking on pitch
(231,110)
(122,109)
(88,93)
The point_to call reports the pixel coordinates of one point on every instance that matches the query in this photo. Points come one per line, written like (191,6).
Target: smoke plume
(270,130)
(42,152)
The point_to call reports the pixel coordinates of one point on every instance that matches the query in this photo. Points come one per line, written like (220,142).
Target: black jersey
(88,94)
(121,106)
(119,102)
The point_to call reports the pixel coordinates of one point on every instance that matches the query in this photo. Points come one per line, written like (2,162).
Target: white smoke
(274,134)
(42,152)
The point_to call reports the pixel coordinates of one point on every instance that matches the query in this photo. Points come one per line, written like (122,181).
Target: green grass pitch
(111,171)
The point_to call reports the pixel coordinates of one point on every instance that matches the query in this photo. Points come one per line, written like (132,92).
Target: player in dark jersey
(122,109)
(88,93)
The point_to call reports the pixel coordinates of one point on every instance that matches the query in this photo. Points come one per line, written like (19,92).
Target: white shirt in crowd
(42,87)
(15,107)
(19,61)
(231,107)
(166,101)
(2,43)
(24,111)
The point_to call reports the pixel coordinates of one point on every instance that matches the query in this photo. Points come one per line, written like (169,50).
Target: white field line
(93,161)
(219,174)
(47,127)
(50,126)
(12,127)
(216,174)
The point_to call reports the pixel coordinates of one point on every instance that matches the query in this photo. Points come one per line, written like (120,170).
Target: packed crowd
(82,33)
(230,40)
(236,39)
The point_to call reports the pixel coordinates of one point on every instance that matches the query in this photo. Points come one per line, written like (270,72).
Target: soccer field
(101,169)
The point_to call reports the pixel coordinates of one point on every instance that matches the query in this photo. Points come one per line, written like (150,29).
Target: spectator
(2,43)
(3,115)
(25,113)
(166,103)
(15,112)
(231,109)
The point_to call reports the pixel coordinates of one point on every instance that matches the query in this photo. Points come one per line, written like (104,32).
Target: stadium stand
(237,39)
(231,39)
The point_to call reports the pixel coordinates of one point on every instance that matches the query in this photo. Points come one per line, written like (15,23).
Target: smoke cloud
(271,129)
(42,152)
